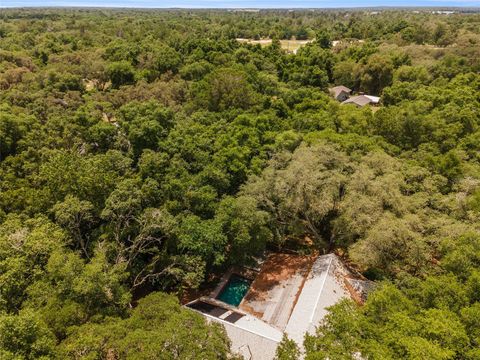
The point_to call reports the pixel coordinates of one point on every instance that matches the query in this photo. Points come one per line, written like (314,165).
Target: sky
(236,3)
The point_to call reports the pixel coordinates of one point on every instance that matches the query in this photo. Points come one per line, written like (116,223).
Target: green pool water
(234,290)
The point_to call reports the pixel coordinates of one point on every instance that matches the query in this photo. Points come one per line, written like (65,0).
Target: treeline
(144,151)
(416,25)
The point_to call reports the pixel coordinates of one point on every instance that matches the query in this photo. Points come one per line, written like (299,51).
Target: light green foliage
(120,50)
(203,238)
(392,244)
(196,70)
(72,291)
(13,128)
(89,178)
(461,256)
(347,73)
(312,66)
(125,203)
(378,74)
(25,337)
(414,74)
(25,248)
(76,217)
(374,201)
(296,197)
(166,59)
(157,328)
(244,225)
(389,326)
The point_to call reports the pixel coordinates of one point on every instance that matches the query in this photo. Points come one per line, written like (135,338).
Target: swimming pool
(234,291)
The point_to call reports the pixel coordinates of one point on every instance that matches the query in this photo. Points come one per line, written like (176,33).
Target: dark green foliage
(145,124)
(121,73)
(224,89)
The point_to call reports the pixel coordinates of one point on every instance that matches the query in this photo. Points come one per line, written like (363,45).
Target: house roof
(362,100)
(294,302)
(375,99)
(323,288)
(251,337)
(337,90)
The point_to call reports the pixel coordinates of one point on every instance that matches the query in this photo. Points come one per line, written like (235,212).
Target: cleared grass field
(288,45)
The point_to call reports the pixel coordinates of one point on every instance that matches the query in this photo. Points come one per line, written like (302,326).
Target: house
(340,93)
(289,294)
(343,94)
(362,100)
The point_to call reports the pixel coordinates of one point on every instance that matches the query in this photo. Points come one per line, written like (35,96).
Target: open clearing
(288,45)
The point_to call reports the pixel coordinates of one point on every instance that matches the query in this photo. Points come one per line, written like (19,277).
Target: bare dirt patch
(275,290)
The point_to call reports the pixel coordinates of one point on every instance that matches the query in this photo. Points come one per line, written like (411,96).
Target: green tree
(323,39)
(347,73)
(157,328)
(12,129)
(121,73)
(377,74)
(76,217)
(287,350)
(73,291)
(244,225)
(223,89)
(25,247)
(166,59)
(25,336)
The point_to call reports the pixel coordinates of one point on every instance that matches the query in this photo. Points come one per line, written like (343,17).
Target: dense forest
(143,152)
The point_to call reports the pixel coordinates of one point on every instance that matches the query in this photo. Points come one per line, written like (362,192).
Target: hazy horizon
(238,4)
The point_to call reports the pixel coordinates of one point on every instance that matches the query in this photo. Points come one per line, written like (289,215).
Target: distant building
(362,100)
(443,12)
(340,93)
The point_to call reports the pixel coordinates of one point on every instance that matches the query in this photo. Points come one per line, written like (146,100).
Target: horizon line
(242,8)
